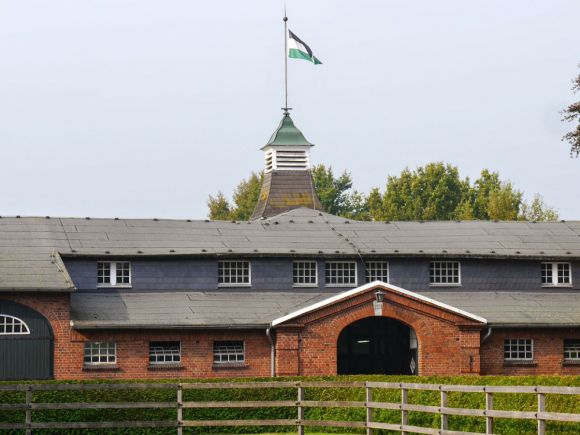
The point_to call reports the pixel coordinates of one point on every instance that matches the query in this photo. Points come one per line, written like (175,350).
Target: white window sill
(305,285)
(340,285)
(450,284)
(556,285)
(114,286)
(235,285)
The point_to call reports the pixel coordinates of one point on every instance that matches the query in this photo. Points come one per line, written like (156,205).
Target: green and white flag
(297,49)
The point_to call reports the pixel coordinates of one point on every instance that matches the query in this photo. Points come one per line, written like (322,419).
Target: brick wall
(196,354)
(548,352)
(448,343)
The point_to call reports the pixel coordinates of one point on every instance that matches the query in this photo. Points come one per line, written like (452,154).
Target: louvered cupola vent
(287,160)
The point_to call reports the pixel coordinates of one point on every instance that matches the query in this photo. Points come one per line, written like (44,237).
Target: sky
(140,108)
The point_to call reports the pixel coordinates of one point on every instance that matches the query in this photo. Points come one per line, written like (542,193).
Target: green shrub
(516,402)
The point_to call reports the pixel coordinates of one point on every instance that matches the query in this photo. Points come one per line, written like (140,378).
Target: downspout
(487,334)
(272,353)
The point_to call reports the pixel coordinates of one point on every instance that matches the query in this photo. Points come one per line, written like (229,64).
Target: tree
(245,198)
(332,191)
(572,114)
(538,211)
(431,192)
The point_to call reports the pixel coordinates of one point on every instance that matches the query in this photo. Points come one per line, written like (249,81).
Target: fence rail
(300,422)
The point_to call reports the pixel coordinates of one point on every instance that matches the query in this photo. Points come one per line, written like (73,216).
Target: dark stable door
(375,345)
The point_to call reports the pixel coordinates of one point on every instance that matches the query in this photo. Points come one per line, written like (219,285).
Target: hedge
(516,402)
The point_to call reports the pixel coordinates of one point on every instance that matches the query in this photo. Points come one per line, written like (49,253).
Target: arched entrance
(26,343)
(377,345)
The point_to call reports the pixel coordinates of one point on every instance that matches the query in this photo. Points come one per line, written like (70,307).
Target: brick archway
(306,341)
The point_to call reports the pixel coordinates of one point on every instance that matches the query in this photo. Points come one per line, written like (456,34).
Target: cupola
(287,149)
(287,181)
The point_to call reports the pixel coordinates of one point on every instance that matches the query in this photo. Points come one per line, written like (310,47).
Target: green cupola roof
(287,135)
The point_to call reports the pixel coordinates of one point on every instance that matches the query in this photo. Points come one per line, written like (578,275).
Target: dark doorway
(26,343)
(377,345)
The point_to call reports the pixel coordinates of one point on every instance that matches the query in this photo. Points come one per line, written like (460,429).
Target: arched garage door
(26,343)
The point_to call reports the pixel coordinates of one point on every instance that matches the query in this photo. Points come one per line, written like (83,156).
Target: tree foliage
(435,191)
(572,114)
(245,198)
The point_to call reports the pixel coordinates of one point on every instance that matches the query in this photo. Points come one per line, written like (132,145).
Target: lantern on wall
(378,302)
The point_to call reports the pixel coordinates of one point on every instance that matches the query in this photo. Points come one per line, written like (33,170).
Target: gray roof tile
(34,242)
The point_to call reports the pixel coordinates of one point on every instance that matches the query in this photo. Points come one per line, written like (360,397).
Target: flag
(298,49)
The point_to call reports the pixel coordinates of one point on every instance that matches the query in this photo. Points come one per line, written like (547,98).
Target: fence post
(488,407)
(300,409)
(404,412)
(28,416)
(368,399)
(444,419)
(179,409)
(541,409)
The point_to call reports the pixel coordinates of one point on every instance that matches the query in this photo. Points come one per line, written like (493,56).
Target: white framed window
(340,273)
(305,274)
(10,325)
(113,274)
(572,349)
(445,273)
(164,352)
(377,271)
(100,352)
(234,273)
(228,352)
(556,274)
(518,349)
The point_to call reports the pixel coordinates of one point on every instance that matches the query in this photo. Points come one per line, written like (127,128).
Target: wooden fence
(300,404)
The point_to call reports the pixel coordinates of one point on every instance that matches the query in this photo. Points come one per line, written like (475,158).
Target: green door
(26,343)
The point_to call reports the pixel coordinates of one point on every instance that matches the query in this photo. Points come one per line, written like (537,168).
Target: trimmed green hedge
(517,402)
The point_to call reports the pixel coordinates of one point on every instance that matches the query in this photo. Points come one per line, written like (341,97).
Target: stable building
(293,291)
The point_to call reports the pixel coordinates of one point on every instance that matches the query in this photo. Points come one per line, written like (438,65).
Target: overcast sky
(138,108)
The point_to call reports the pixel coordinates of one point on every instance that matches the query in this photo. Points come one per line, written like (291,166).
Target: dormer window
(445,273)
(113,274)
(556,275)
(233,273)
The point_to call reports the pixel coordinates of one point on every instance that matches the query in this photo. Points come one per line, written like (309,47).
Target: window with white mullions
(113,273)
(377,271)
(305,274)
(10,325)
(164,352)
(572,349)
(556,274)
(445,273)
(100,352)
(518,349)
(233,273)
(225,352)
(340,273)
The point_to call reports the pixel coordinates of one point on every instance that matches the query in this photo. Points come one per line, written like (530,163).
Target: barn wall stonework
(548,352)
(448,343)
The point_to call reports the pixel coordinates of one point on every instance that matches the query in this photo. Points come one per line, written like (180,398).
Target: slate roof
(210,309)
(283,191)
(213,309)
(30,248)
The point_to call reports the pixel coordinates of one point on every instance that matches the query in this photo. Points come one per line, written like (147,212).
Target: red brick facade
(548,352)
(449,343)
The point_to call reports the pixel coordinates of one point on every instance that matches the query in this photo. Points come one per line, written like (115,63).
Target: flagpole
(285,19)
